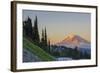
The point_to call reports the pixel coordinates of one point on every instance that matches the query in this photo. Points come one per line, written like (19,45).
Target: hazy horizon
(61,24)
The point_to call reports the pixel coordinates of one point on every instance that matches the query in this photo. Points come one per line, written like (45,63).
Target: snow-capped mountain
(73,41)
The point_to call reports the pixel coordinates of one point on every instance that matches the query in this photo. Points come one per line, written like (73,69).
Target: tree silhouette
(36,37)
(27,28)
(49,46)
(45,37)
(42,38)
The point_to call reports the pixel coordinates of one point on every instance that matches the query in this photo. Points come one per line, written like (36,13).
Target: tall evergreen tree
(44,43)
(36,37)
(42,38)
(49,46)
(45,37)
(49,43)
(27,28)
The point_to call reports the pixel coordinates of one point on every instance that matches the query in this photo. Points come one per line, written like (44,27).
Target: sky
(61,24)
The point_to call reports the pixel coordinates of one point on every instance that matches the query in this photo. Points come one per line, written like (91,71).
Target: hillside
(37,50)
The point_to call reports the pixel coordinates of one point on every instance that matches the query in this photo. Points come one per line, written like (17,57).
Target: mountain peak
(73,40)
(71,35)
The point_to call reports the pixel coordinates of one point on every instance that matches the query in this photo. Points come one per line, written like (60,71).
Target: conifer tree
(27,27)
(44,43)
(36,37)
(45,37)
(42,38)
(49,46)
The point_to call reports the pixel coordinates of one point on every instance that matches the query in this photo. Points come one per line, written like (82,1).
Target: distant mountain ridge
(73,41)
